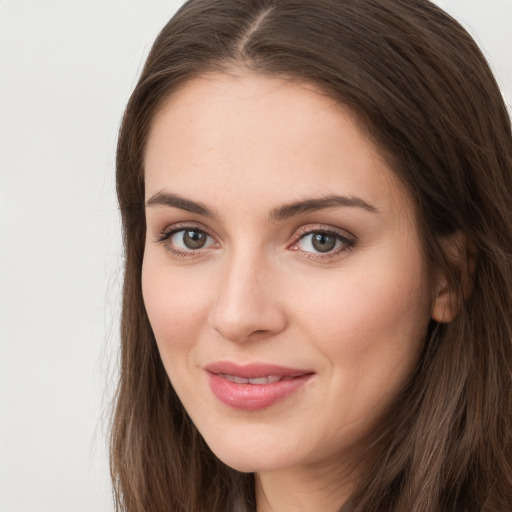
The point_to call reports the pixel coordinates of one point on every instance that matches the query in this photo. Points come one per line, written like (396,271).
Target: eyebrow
(308,205)
(277,214)
(175,201)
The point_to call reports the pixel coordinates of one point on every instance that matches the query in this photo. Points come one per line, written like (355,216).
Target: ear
(446,303)
(449,296)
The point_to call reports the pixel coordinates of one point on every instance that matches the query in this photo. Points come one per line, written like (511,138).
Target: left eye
(321,242)
(190,240)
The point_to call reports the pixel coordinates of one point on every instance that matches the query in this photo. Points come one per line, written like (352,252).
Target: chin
(250,463)
(250,457)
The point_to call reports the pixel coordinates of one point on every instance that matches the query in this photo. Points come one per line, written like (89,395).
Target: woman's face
(282,276)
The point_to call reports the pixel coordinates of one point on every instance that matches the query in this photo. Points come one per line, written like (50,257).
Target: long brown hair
(423,92)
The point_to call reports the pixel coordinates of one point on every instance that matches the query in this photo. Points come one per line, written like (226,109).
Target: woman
(316,200)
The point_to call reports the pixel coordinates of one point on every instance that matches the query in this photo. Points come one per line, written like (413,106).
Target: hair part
(423,93)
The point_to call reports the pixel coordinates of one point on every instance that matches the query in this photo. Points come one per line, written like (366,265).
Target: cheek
(176,308)
(370,332)
(371,318)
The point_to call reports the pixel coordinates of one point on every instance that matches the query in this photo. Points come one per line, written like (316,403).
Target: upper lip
(254,370)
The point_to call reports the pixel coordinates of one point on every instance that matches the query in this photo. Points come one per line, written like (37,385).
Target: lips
(254,386)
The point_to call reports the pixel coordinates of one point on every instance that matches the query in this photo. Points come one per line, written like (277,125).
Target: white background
(66,70)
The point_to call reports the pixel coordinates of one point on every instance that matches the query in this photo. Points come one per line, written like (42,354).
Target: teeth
(258,380)
(233,378)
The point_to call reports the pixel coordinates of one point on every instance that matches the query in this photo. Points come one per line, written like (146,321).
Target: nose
(248,304)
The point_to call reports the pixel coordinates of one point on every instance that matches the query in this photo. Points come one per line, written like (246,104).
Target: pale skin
(255,168)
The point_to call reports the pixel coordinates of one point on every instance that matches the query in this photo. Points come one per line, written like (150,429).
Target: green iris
(322,242)
(194,239)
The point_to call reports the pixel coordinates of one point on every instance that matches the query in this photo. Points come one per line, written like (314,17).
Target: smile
(255,386)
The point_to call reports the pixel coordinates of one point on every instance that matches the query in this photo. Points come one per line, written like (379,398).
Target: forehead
(256,135)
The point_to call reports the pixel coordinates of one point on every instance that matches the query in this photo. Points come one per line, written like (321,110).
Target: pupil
(323,243)
(194,239)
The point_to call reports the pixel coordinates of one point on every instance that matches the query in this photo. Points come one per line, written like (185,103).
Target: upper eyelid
(323,228)
(176,226)
(182,226)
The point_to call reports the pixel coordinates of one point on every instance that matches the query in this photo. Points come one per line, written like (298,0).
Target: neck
(303,490)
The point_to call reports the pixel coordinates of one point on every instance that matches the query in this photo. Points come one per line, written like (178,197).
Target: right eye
(185,241)
(190,239)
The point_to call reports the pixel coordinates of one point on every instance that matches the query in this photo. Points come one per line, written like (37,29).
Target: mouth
(254,386)
(255,381)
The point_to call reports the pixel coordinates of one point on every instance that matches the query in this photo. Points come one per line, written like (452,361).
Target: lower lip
(253,396)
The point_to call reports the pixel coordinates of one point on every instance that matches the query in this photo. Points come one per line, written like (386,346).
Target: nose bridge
(246,302)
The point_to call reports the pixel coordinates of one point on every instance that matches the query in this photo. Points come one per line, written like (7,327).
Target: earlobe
(450,294)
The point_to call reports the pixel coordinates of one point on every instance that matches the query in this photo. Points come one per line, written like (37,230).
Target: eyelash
(168,233)
(347,242)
